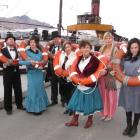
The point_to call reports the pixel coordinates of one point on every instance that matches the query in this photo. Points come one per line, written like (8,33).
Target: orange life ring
(23,54)
(119,74)
(75,48)
(44,57)
(57,68)
(93,77)
(3,58)
(22,51)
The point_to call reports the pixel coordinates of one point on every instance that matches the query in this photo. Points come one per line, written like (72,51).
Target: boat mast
(60,17)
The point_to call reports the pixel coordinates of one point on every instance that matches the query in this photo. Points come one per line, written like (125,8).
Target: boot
(89,122)
(133,132)
(135,124)
(127,130)
(74,121)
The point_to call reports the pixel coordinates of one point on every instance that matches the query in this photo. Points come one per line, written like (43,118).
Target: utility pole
(60,17)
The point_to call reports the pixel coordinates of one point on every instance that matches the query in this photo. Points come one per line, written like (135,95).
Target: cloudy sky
(122,14)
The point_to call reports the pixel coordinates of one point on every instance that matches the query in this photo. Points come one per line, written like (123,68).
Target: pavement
(50,125)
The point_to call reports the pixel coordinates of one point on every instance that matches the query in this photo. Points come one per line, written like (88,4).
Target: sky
(122,14)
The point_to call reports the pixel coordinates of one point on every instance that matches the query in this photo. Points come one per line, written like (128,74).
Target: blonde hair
(107,34)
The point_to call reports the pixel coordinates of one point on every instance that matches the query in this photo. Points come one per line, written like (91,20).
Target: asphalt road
(50,125)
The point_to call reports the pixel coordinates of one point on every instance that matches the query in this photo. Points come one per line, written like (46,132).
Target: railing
(88,19)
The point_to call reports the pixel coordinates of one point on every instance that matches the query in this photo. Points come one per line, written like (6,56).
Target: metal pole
(60,17)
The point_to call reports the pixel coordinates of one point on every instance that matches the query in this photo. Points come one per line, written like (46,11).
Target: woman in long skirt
(129,97)
(86,99)
(36,100)
(107,83)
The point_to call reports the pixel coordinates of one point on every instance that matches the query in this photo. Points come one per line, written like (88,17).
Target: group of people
(79,97)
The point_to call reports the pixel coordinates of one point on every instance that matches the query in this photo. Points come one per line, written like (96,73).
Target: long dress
(86,100)
(36,99)
(129,97)
(108,89)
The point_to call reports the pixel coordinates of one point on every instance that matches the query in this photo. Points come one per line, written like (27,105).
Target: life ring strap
(56,67)
(100,56)
(93,78)
(44,53)
(139,77)
(73,73)
(21,49)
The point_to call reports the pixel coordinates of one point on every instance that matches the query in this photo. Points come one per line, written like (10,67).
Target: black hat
(9,35)
(55,34)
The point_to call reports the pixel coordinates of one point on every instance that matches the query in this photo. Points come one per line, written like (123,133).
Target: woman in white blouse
(86,99)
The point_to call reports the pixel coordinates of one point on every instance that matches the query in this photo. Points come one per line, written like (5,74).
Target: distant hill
(21,22)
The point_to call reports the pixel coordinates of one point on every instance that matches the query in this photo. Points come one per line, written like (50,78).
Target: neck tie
(12,49)
(63,66)
(54,47)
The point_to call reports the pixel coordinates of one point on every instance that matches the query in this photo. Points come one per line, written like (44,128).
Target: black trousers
(54,88)
(66,90)
(12,80)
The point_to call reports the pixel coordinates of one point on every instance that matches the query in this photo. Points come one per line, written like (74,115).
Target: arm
(26,62)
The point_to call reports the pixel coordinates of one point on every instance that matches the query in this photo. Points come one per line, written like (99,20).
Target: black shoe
(133,132)
(37,113)
(9,112)
(66,112)
(127,130)
(21,108)
(53,103)
(63,104)
(71,113)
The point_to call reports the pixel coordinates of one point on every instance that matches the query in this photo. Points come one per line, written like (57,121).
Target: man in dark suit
(11,75)
(54,47)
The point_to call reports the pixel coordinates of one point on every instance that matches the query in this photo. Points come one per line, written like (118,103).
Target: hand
(112,72)
(9,63)
(50,55)
(33,62)
(103,72)
(65,73)
(15,62)
(41,64)
(40,67)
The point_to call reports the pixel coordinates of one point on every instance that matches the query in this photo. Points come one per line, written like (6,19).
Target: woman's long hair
(128,55)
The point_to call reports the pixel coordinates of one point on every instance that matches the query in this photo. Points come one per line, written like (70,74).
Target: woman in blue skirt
(36,100)
(86,100)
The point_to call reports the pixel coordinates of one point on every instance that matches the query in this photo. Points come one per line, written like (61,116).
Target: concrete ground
(50,125)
